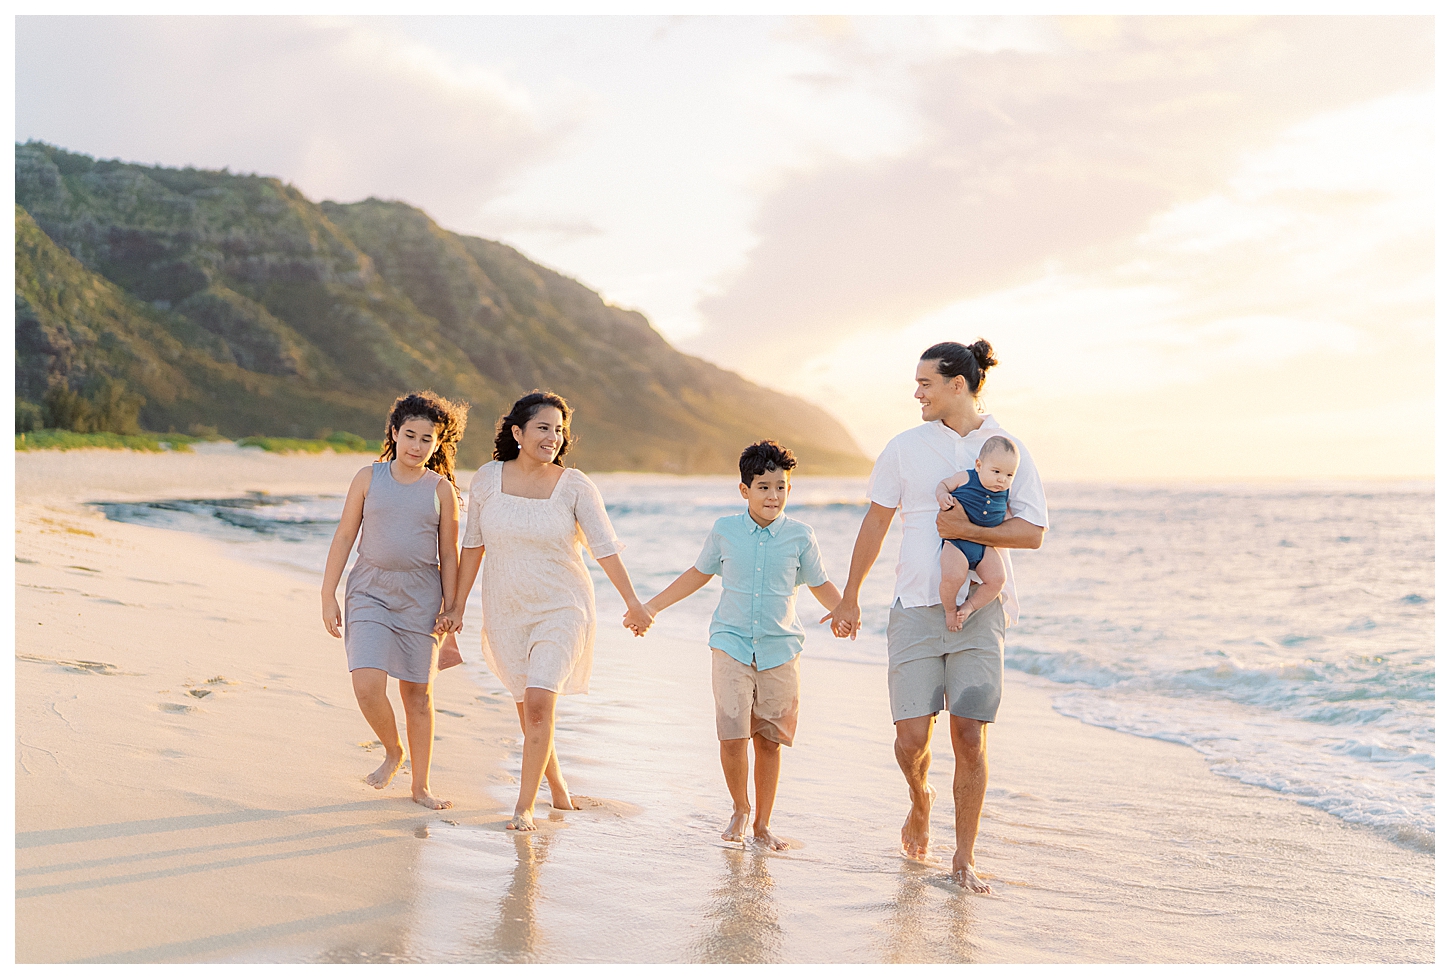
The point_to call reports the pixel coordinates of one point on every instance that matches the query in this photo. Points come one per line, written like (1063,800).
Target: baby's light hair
(997,444)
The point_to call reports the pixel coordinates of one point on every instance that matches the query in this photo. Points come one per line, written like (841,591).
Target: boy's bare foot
(523,821)
(383,777)
(916,831)
(428,800)
(965,874)
(765,837)
(735,831)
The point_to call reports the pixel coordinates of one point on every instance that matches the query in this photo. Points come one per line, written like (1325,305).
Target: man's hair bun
(982,350)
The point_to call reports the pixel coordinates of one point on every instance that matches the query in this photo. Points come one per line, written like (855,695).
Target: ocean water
(1285,632)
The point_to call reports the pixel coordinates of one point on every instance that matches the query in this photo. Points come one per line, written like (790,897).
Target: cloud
(1039,155)
(338,109)
(1253,331)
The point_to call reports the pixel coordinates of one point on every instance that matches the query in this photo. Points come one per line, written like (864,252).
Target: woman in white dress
(530,515)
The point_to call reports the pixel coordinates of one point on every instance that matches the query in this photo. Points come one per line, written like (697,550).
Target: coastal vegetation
(155,299)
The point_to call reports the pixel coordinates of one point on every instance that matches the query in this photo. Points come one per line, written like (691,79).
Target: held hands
(443,623)
(332,616)
(638,619)
(845,619)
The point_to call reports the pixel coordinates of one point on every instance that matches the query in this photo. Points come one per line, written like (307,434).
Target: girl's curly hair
(505,447)
(450,417)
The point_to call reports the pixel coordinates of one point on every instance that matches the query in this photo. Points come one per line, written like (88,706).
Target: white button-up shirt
(906,475)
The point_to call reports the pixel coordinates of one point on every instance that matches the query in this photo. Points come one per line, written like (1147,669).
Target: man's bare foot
(428,800)
(765,837)
(735,831)
(965,874)
(523,821)
(383,777)
(916,831)
(560,796)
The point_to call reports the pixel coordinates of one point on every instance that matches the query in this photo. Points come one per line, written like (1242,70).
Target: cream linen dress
(538,600)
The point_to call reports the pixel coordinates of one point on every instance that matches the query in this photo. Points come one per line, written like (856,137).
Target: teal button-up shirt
(760,568)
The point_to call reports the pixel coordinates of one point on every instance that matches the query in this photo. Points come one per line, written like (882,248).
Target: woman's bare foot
(523,821)
(560,798)
(766,838)
(383,777)
(428,800)
(965,874)
(916,831)
(735,831)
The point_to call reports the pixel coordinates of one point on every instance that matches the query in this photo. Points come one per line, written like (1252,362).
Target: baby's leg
(994,575)
(954,571)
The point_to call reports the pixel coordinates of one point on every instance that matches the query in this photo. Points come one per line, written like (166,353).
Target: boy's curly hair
(762,456)
(450,417)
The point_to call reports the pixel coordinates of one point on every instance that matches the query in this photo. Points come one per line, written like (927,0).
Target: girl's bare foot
(383,777)
(766,838)
(735,831)
(523,821)
(429,801)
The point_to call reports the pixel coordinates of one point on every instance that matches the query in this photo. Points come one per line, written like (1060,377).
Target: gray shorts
(930,669)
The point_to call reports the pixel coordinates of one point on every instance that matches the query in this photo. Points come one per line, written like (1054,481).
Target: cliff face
(234,302)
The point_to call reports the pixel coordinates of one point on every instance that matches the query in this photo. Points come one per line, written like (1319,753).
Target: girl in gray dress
(406,506)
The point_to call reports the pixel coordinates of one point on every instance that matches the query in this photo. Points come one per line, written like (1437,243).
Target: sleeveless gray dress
(395,590)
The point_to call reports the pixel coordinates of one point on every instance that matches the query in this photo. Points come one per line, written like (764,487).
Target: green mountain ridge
(189,300)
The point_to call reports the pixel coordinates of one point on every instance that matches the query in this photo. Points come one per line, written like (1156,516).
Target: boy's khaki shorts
(750,701)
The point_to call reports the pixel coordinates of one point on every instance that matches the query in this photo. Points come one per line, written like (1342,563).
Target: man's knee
(913,736)
(969,738)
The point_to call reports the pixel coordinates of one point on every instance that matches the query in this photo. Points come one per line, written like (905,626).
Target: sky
(1203,247)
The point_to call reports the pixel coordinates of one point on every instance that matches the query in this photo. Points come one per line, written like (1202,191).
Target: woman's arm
(846,616)
(342,541)
(447,551)
(954,524)
(619,577)
(468,566)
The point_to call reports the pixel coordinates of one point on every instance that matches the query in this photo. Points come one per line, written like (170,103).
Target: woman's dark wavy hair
(450,417)
(957,359)
(506,447)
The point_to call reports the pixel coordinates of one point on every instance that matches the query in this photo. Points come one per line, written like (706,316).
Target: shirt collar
(988,422)
(773,527)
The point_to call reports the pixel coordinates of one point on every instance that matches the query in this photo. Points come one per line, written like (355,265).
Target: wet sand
(188,788)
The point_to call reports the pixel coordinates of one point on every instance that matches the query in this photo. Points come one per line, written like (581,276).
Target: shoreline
(157,821)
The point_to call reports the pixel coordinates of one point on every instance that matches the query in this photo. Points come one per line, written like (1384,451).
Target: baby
(983,494)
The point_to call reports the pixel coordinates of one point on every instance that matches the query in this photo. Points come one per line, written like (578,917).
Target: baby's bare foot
(523,821)
(735,831)
(765,837)
(383,777)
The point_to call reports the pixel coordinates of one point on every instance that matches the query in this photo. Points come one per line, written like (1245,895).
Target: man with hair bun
(929,668)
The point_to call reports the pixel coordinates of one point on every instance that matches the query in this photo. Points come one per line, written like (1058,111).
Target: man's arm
(846,616)
(954,524)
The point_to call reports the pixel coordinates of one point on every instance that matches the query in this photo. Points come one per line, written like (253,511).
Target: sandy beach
(189,765)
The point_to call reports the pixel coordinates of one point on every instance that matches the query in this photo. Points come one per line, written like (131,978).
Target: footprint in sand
(198,694)
(176,708)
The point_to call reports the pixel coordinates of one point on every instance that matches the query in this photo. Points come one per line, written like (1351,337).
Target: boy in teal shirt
(762,557)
